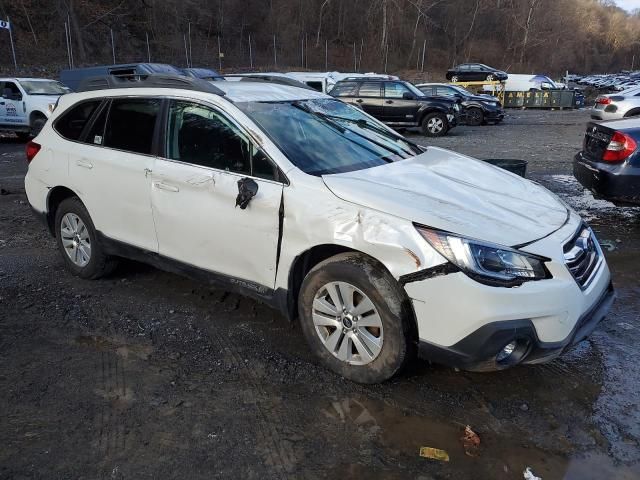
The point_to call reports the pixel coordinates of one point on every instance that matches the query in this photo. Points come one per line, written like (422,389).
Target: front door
(398,109)
(12,111)
(194,195)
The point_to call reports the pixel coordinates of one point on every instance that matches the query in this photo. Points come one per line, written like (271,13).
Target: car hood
(448,191)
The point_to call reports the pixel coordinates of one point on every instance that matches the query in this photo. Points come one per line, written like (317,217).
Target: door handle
(389,101)
(359,100)
(84,164)
(164,186)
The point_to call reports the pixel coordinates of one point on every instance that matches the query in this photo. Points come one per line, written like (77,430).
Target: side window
(394,90)
(344,89)
(95,135)
(463,68)
(202,136)
(369,89)
(315,85)
(11,91)
(131,124)
(71,124)
(444,91)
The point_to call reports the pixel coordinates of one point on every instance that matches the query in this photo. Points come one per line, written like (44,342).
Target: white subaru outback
(382,248)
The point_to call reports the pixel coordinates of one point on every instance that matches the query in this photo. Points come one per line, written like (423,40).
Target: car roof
(266,92)
(27,79)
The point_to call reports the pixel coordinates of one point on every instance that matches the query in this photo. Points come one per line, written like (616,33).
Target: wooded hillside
(542,36)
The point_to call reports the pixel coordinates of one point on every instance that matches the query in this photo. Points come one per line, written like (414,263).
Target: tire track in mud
(280,457)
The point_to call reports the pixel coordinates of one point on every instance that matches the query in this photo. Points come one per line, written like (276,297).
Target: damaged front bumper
(479,351)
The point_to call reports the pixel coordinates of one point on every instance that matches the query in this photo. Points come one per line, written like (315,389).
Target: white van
(325,81)
(525,83)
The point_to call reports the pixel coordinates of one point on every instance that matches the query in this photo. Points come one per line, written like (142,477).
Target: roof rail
(371,77)
(276,79)
(145,80)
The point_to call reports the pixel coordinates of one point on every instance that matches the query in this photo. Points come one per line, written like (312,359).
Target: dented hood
(452,192)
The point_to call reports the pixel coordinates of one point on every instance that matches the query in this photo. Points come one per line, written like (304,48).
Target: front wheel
(435,125)
(454,79)
(356,319)
(490,78)
(78,241)
(475,116)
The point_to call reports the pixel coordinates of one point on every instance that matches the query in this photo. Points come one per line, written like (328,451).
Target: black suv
(475,72)
(476,109)
(399,104)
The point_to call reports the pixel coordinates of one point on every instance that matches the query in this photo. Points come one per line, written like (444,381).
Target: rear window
(131,124)
(72,122)
(344,89)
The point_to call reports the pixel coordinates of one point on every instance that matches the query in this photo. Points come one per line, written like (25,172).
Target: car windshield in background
(324,136)
(462,90)
(39,87)
(415,90)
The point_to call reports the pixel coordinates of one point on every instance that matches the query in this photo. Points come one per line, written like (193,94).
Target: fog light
(506,351)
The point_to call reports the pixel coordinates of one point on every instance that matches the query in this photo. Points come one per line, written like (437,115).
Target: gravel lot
(149,375)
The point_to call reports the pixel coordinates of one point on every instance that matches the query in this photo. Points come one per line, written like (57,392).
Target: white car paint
(16,115)
(187,213)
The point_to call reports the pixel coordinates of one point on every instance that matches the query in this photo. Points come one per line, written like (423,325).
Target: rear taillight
(620,147)
(32,150)
(603,100)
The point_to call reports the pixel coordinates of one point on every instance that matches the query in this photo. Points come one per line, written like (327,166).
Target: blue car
(609,163)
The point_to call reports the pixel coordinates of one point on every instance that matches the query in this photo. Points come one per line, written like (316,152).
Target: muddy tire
(78,241)
(435,125)
(356,318)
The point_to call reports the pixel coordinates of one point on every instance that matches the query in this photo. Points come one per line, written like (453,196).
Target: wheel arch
(34,115)
(633,112)
(303,263)
(54,198)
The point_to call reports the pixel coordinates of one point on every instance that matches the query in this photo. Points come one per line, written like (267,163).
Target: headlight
(488,263)
(491,104)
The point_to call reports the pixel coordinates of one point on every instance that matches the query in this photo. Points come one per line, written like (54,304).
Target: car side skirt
(276,299)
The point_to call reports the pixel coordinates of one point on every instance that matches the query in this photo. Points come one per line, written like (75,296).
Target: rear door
(110,169)
(194,193)
(370,98)
(397,109)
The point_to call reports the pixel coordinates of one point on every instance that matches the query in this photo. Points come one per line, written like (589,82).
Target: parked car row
(612,82)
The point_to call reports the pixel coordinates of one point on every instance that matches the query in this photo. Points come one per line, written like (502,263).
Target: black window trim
(162,141)
(105,104)
(90,120)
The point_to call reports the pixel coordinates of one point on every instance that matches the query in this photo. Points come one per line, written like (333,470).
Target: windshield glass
(415,90)
(461,90)
(323,136)
(43,87)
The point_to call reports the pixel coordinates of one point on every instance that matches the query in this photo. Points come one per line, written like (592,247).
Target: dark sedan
(476,109)
(609,163)
(475,72)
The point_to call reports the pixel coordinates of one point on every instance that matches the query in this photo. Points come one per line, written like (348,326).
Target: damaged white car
(382,248)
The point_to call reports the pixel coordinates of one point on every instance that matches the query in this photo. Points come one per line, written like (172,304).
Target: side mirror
(247,189)
(408,96)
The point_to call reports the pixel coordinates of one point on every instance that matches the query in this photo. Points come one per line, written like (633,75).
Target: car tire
(365,353)
(78,242)
(454,79)
(37,125)
(474,116)
(435,124)
(490,78)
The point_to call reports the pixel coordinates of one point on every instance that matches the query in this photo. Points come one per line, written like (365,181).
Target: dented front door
(198,223)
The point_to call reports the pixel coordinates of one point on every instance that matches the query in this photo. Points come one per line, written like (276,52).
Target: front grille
(583,256)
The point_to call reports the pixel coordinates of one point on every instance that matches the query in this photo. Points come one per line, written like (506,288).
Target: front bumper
(619,183)
(464,323)
(494,115)
(477,351)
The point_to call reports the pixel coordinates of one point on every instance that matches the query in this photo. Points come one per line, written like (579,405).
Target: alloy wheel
(347,323)
(454,79)
(74,236)
(435,125)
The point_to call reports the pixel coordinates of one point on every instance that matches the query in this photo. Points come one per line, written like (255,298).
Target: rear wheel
(454,79)
(435,125)
(356,318)
(490,78)
(78,241)
(475,116)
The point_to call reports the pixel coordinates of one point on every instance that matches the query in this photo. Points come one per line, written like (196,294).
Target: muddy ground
(149,375)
